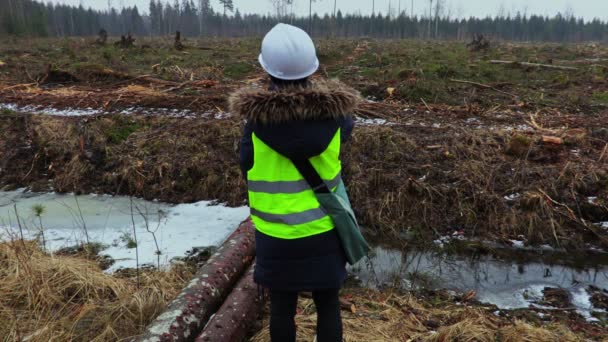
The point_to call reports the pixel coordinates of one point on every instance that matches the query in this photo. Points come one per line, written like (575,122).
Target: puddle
(110,219)
(177,113)
(509,284)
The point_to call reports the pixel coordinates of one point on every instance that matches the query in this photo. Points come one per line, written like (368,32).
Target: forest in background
(32,18)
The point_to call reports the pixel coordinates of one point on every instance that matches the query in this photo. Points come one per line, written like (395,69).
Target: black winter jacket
(297,123)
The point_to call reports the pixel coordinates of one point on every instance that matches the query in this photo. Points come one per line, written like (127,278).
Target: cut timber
(552,140)
(536,65)
(234,320)
(188,314)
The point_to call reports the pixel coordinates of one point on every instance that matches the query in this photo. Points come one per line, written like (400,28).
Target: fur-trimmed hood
(322,100)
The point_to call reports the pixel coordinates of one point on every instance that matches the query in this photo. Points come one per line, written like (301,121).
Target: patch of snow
(517,243)
(373,122)
(472,120)
(169,112)
(523,127)
(581,299)
(50,111)
(512,197)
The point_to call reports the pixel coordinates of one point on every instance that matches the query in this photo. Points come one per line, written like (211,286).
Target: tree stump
(102,37)
(479,43)
(178,41)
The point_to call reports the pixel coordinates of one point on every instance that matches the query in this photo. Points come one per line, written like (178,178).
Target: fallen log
(536,65)
(235,318)
(188,314)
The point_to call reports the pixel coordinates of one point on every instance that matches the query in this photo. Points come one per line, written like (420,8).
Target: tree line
(199,18)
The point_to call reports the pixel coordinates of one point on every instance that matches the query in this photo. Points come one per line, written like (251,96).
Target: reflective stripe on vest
(282,204)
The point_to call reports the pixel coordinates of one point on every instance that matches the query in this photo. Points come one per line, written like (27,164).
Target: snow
(179,113)
(517,243)
(109,220)
(512,197)
(50,111)
(373,122)
(581,299)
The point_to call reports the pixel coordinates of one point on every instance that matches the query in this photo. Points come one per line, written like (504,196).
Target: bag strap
(311,175)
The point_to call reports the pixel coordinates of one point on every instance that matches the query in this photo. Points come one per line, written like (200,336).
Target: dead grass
(432,181)
(57,298)
(387,317)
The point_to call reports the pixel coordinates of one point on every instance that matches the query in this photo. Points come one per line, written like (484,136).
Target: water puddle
(506,283)
(110,220)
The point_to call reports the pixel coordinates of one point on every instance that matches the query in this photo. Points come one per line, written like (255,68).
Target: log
(234,320)
(536,65)
(188,314)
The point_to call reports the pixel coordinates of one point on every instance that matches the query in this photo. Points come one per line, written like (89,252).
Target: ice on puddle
(109,220)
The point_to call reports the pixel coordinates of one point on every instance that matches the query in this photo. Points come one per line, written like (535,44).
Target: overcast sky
(588,9)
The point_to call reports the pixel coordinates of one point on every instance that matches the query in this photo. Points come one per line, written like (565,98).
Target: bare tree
(228,5)
(310,14)
(204,10)
(430,18)
(335,7)
(281,7)
(412,9)
(439,9)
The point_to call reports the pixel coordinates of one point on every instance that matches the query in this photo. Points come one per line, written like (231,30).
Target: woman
(295,119)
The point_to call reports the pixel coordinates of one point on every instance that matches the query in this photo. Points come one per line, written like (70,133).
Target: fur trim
(323,100)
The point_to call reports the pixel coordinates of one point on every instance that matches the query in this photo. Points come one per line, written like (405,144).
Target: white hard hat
(288,53)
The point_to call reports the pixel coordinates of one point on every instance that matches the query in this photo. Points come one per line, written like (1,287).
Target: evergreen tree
(228,5)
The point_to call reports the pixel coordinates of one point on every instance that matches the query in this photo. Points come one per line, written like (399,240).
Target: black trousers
(283,307)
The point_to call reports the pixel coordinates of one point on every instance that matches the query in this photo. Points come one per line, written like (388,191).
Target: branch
(537,65)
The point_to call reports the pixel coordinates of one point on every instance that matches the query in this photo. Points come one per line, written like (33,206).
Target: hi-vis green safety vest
(282,204)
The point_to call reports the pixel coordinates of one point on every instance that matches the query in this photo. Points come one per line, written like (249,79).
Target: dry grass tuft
(47,297)
(383,317)
(523,332)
